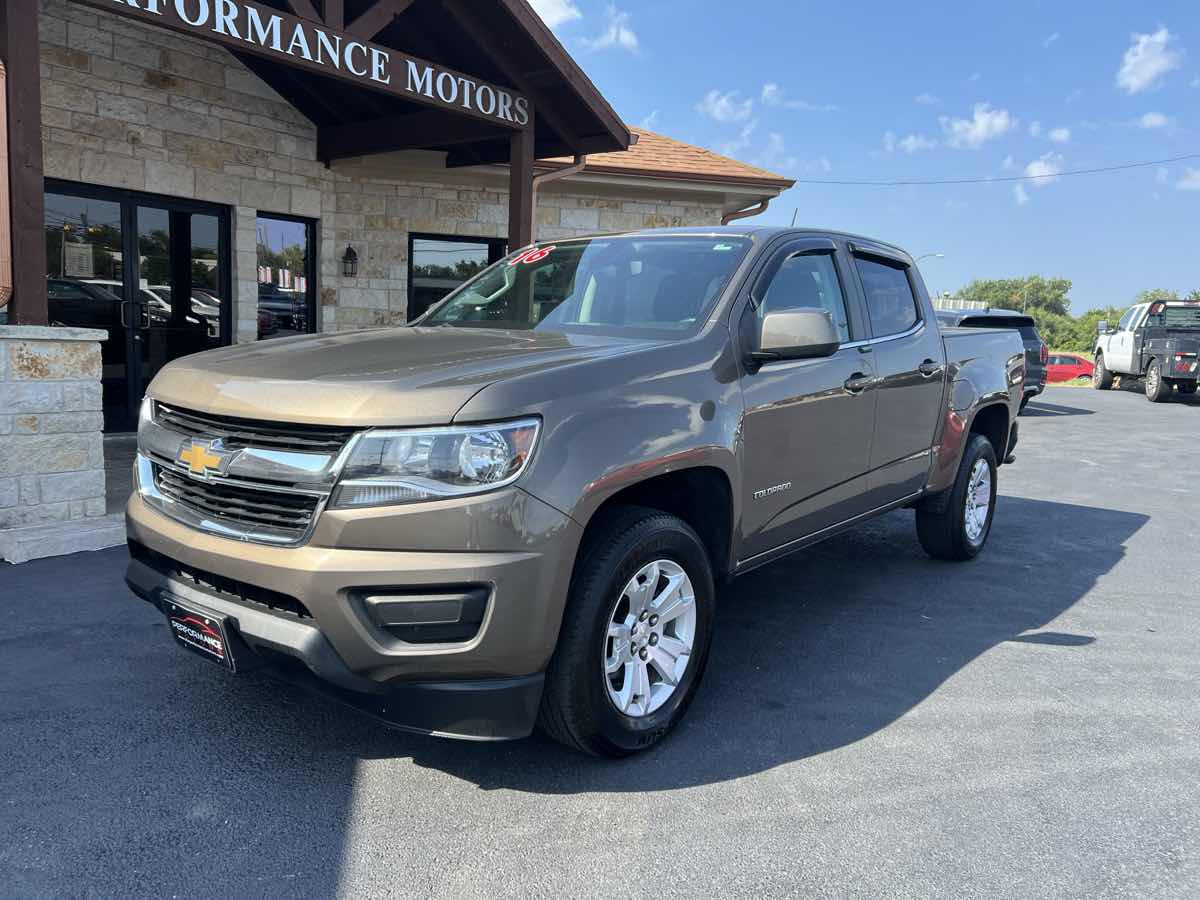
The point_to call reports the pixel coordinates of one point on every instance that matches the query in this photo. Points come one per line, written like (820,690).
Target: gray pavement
(872,724)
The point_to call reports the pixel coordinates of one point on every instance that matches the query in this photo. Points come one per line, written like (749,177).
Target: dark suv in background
(1036,352)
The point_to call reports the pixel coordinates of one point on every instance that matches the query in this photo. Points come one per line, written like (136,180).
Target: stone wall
(133,106)
(51,447)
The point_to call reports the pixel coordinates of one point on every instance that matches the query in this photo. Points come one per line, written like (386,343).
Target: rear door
(808,422)
(906,345)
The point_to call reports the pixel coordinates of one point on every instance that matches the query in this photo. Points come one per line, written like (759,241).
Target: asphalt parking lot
(872,724)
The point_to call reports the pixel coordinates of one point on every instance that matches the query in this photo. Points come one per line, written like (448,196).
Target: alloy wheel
(651,632)
(978,502)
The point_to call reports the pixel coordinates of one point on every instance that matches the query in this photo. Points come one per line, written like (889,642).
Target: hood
(395,376)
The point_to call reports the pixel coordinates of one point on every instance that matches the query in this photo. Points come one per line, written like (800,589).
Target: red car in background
(1067,367)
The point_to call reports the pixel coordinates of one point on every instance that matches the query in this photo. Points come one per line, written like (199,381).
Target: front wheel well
(701,497)
(992,423)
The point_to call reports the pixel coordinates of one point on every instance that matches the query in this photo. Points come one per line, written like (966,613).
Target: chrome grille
(239,433)
(274,516)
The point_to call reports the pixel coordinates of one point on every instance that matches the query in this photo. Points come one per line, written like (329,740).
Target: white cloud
(1162,175)
(726,108)
(775,156)
(741,143)
(650,123)
(1009,163)
(1148,59)
(1190,180)
(1153,120)
(915,143)
(773,95)
(927,99)
(1045,170)
(618,32)
(985,124)
(1035,129)
(1060,135)
(1051,39)
(910,143)
(556,12)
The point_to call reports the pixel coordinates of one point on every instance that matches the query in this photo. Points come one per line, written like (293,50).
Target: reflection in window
(285,305)
(439,265)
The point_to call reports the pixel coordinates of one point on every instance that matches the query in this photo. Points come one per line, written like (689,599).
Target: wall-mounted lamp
(350,263)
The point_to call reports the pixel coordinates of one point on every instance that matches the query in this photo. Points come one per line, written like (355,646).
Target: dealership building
(186,174)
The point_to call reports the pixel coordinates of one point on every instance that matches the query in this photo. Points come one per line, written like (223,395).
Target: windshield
(660,284)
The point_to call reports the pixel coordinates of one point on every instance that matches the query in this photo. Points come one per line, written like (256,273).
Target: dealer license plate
(204,633)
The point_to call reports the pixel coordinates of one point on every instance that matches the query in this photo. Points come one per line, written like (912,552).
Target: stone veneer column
(51,443)
(245,275)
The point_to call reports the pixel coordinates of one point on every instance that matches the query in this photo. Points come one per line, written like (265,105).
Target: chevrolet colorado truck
(1158,342)
(516,511)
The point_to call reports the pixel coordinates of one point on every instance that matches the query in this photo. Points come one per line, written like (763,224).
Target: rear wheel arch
(992,421)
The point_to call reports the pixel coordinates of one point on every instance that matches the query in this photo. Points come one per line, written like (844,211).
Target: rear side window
(808,281)
(890,300)
(1029,333)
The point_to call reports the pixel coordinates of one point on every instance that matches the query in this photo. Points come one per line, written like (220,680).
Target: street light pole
(931,256)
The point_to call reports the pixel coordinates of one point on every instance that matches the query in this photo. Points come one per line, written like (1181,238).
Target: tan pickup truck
(518,510)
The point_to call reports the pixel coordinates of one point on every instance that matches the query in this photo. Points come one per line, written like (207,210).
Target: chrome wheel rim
(651,631)
(1152,380)
(979,502)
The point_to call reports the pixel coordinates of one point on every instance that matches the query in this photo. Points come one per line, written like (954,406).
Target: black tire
(1158,388)
(576,709)
(1187,387)
(1102,379)
(941,519)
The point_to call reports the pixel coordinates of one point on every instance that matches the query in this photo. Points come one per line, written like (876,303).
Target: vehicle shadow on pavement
(133,767)
(831,644)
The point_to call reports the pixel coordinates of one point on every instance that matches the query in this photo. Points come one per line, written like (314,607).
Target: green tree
(1032,293)
(1153,296)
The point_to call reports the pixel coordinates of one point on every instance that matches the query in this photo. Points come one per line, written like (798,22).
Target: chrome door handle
(858,382)
(929,368)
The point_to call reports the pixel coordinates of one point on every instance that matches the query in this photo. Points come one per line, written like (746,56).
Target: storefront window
(440,264)
(286,292)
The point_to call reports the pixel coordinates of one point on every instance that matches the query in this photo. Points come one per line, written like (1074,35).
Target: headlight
(390,467)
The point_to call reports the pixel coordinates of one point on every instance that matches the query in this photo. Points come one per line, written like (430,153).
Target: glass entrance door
(152,272)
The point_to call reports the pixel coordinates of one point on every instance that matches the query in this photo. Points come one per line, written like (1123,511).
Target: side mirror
(1102,326)
(796,334)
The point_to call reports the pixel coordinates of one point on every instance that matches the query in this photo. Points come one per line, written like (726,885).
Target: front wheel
(955,524)
(1158,389)
(635,635)
(1102,378)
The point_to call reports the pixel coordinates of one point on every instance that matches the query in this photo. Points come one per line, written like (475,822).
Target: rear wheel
(1102,379)
(635,635)
(1158,389)
(1187,387)
(955,524)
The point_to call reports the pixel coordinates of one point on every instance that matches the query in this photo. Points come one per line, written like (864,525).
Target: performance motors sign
(240,25)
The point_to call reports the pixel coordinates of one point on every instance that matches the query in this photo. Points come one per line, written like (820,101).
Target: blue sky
(884,91)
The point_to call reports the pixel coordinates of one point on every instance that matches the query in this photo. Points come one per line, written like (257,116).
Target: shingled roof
(657,156)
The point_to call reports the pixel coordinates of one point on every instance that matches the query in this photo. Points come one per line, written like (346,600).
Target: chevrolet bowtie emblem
(199,457)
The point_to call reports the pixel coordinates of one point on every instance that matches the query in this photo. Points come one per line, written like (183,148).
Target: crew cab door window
(1126,323)
(808,281)
(891,305)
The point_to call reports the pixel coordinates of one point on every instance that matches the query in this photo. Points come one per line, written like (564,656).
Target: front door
(1120,355)
(152,272)
(808,423)
(906,345)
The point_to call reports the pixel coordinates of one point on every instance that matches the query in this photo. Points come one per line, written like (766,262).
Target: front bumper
(487,687)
